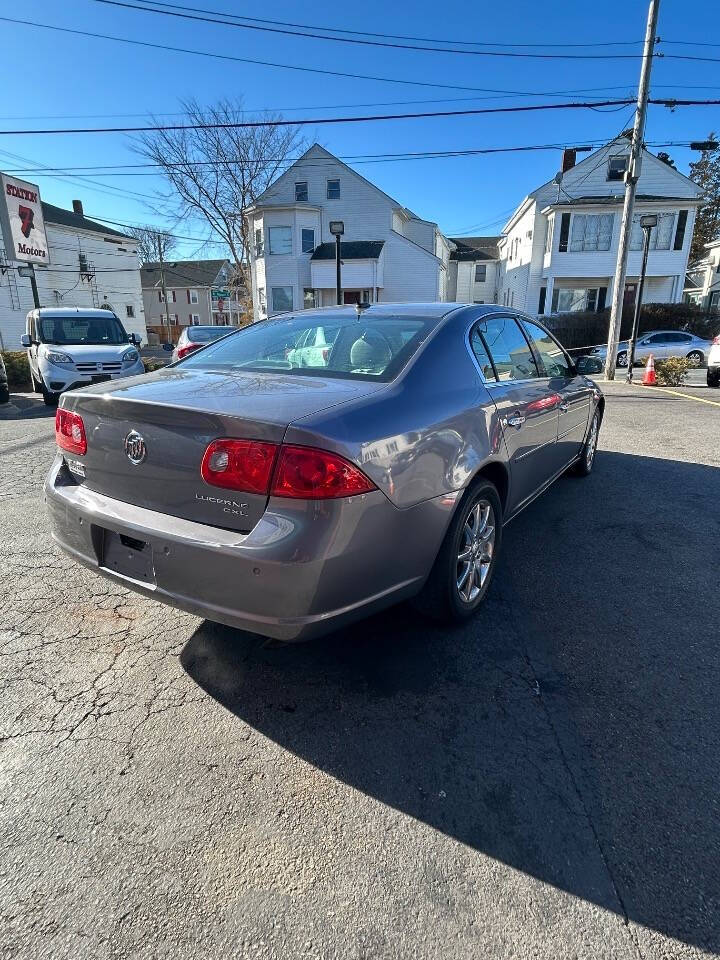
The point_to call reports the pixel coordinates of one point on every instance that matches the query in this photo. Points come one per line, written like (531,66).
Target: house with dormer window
(389,254)
(559,249)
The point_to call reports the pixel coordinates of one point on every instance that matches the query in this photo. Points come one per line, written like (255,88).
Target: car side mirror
(135,338)
(26,340)
(587,365)
(168,347)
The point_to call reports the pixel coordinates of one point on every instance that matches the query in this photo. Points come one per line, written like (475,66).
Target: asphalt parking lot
(542,782)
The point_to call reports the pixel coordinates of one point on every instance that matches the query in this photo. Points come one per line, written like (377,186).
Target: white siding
(116,281)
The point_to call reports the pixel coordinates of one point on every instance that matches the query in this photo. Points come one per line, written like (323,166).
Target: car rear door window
(552,356)
(477,345)
(509,348)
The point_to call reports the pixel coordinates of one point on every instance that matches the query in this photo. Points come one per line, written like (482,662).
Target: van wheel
(464,567)
(50,398)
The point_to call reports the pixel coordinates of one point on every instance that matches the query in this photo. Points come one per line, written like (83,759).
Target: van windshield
(356,348)
(76,330)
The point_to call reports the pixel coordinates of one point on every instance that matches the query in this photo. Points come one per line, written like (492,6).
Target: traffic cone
(649,375)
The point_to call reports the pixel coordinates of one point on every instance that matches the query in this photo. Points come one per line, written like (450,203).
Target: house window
(549,234)
(660,236)
(480,272)
(308,240)
(573,299)
(680,230)
(543,297)
(194,319)
(282,299)
(591,231)
(301,191)
(617,167)
(261,300)
(564,232)
(129,311)
(82,258)
(194,296)
(280,240)
(309,300)
(258,242)
(333,189)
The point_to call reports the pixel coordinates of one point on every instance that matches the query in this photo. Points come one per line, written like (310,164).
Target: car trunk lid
(165,422)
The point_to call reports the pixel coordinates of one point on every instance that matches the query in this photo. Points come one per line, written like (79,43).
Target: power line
(222,20)
(393,36)
(226,56)
(249,124)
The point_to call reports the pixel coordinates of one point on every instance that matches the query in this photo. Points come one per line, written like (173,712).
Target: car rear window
(206,334)
(350,347)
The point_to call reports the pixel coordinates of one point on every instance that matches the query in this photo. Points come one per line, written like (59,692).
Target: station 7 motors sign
(21,218)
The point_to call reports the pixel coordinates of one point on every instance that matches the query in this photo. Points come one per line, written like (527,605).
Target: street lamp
(337,229)
(647,222)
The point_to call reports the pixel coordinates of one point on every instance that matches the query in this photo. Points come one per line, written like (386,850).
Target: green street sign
(220,294)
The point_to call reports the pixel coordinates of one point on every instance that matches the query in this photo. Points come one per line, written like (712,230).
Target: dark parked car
(4,389)
(289,498)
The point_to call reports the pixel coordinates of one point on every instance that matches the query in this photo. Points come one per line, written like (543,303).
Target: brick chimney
(568,160)
(78,207)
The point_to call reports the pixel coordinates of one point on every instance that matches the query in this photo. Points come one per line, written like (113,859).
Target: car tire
(713,378)
(465,564)
(4,393)
(584,464)
(50,398)
(696,358)
(622,359)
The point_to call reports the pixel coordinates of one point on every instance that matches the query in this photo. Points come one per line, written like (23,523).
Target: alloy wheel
(591,446)
(622,360)
(477,543)
(695,358)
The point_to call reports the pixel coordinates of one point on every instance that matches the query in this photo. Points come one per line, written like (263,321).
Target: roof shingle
(350,250)
(475,248)
(182,273)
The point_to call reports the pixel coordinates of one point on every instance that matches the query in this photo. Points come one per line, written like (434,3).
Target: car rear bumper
(306,568)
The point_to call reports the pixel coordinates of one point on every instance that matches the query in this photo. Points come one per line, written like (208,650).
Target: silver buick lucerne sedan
(290,491)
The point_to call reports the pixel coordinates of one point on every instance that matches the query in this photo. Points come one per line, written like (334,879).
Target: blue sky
(77,81)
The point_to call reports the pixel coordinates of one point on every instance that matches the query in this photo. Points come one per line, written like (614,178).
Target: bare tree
(153,245)
(218,170)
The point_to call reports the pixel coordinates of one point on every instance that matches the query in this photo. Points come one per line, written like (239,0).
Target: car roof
(378,310)
(72,312)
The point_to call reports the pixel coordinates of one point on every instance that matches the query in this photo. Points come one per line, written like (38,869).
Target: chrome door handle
(516,420)
(564,406)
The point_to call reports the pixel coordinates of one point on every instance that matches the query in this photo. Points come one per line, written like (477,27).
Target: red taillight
(253,466)
(184,351)
(310,474)
(239,465)
(70,431)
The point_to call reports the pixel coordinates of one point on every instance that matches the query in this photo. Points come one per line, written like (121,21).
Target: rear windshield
(348,347)
(206,334)
(73,331)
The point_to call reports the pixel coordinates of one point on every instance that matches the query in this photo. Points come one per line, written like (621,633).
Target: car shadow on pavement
(25,405)
(571,730)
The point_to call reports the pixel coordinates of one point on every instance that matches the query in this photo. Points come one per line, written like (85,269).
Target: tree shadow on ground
(571,730)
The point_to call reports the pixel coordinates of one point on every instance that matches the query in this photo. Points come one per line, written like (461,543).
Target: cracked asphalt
(540,783)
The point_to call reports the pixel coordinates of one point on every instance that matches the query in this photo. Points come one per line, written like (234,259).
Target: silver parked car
(289,498)
(196,337)
(661,344)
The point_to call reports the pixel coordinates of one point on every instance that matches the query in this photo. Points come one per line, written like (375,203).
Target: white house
(388,253)
(703,280)
(473,273)
(89,265)
(559,249)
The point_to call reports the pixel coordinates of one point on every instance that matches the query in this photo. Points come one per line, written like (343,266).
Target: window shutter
(188,296)
(543,295)
(564,232)
(680,230)
(159,296)
(602,296)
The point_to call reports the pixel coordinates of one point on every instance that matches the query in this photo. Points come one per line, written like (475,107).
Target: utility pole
(337,229)
(631,178)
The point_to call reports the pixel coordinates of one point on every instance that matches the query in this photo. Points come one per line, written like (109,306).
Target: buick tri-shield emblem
(135,447)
